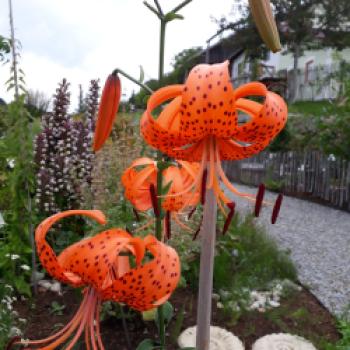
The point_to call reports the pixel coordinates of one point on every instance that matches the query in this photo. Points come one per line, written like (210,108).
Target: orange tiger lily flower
(201,124)
(139,178)
(98,264)
(107,110)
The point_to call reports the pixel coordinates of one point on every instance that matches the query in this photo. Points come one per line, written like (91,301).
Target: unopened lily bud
(107,111)
(265,22)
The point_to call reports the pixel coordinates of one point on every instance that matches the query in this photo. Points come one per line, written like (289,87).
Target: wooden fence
(311,174)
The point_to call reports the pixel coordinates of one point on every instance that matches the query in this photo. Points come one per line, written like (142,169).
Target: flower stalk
(137,82)
(164,19)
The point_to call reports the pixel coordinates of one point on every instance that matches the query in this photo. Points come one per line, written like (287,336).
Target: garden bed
(300,313)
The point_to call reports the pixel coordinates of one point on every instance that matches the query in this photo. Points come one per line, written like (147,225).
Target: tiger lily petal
(141,177)
(100,265)
(201,124)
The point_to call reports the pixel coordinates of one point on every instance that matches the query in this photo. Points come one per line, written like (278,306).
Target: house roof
(224,49)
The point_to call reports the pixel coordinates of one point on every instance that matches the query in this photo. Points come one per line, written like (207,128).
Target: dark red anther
(259,199)
(204,186)
(154,200)
(191,213)
(276,208)
(230,215)
(196,234)
(198,230)
(12,342)
(168,224)
(136,213)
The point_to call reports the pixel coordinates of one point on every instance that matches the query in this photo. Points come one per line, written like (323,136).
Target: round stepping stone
(282,341)
(220,339)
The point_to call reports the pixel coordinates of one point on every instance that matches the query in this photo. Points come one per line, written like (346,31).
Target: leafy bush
(323,125)
(246,259)
(7,315)
(252,256)
(16,192)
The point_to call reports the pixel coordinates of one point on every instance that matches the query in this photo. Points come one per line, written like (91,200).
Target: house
(316,69)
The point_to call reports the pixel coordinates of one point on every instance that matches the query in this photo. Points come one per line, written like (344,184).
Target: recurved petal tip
(265,22)
(107,110)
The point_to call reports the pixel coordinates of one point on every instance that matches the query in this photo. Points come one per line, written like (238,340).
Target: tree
(37,103)
(303,24)
(5,48)
(182,63)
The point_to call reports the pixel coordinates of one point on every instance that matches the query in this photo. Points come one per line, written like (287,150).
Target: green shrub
(252,256)
(8,316)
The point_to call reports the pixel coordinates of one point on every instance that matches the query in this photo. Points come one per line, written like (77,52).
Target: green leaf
(166,188)
(147,344)
(142,75)
(149,315)
(171,16)
(22,286)
(168,313)
(162,165)
(10,87)
(176,329)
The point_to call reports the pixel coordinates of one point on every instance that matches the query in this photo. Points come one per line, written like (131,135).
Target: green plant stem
(180,6)
(144,86)
(160,179)
(152,9)
(159,8)
(125,327)
(161,49)
(158,228)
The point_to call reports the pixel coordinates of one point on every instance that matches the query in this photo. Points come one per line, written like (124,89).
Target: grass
(317,108)
(252,256)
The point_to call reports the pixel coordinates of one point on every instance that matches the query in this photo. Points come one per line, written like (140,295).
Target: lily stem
(143,86)
(163,21)
(160,178)
(125,327)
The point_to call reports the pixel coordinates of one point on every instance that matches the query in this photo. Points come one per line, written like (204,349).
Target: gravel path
(319,240)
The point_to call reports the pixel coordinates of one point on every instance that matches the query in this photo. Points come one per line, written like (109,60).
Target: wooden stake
(208,236)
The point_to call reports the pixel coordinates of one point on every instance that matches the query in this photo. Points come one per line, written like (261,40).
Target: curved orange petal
(208,108)
(152,129)
(137,184)
(150,284)
(94,259)
(250,89)
(208,102)
(46,254)
(265,122)
(107,111)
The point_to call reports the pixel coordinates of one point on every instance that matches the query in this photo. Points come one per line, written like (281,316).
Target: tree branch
(158,7)
(180,6)
(151,8)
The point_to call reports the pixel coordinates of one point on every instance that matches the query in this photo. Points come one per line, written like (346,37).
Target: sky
(82,40)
